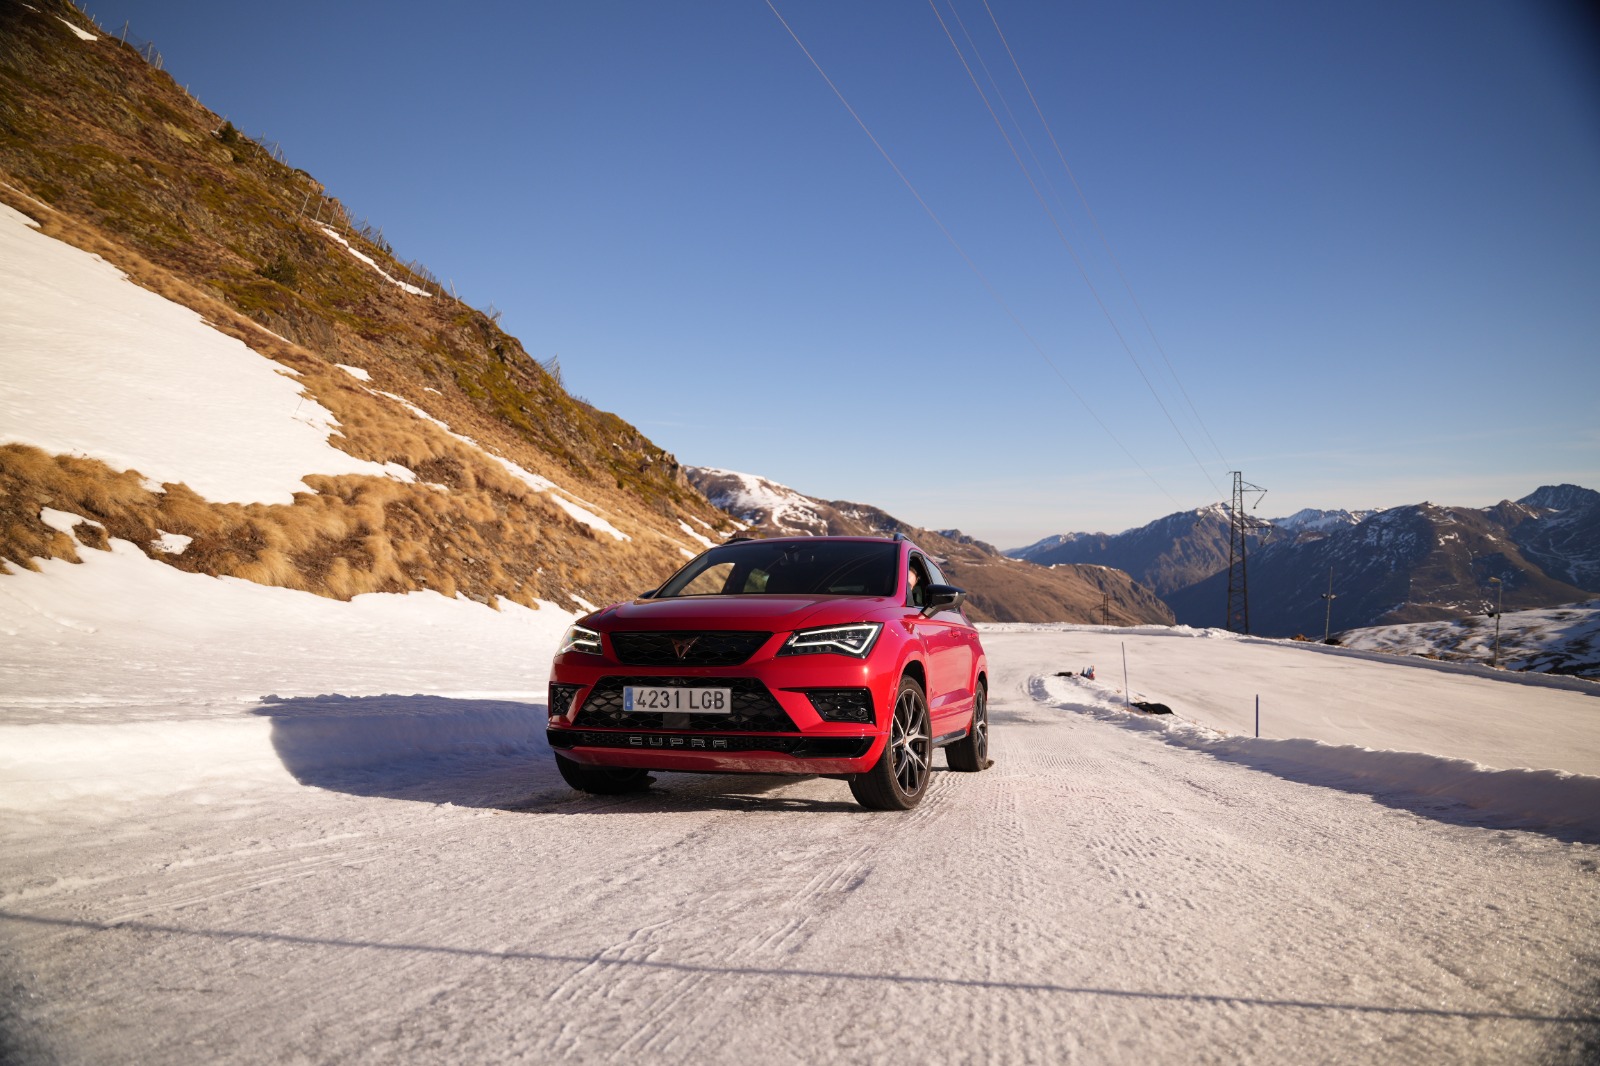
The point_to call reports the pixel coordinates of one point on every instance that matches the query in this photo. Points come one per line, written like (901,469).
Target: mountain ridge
(998,589)
(1414,563)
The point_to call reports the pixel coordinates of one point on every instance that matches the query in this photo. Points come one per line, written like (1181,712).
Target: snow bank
(1528,797)
(124,677)
(97,366)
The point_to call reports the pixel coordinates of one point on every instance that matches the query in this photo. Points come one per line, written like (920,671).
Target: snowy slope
(97,366)
(1563,640)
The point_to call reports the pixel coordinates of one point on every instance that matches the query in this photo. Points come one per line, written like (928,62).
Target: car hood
(774,613)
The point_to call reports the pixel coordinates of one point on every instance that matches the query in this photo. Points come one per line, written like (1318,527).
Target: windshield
(789,568)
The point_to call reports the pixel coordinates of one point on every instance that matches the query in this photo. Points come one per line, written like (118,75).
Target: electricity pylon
(1240,526)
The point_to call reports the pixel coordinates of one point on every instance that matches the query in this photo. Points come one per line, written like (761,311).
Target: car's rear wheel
(898,779)
(603,780)
(971,753)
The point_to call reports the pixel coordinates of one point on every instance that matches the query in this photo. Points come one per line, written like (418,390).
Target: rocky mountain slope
(999,589)
(108,154)
(1170,553)
(1561,533)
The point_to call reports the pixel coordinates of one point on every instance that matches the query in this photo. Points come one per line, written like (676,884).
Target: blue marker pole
(1258,716)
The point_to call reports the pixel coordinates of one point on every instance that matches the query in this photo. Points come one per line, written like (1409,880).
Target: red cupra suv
(837,656)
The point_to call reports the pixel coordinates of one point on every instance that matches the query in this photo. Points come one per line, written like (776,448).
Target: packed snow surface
(250,825)
(1343,697)
(96,366)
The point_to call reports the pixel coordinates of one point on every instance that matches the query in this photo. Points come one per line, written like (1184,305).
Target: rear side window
(789,568)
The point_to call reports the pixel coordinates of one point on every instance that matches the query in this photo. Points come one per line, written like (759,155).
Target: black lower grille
(841,704)
(561,697)
(754,709)
(688,648)
(799,747)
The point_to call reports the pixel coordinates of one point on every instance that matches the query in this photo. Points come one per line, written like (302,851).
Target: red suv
(835,656)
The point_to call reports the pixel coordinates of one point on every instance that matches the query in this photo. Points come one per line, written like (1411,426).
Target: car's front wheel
(898,779)
(971,753)
(603,780)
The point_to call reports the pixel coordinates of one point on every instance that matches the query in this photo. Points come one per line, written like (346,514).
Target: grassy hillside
(111,155)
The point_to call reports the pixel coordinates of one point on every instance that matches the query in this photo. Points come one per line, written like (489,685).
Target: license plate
(677,700)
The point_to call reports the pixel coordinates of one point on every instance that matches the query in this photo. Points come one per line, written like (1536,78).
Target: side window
(917,579)
(934,576)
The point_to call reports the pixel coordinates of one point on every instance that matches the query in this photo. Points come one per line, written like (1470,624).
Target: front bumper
(694,752)
(775,727)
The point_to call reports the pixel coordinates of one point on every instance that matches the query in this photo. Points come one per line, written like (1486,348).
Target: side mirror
(943,598)
(648,593)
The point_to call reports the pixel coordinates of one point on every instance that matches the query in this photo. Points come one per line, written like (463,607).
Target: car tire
(603,780)
(899,778)
(970,754)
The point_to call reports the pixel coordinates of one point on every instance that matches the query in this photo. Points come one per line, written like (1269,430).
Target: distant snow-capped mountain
(1400,564)
(1418,563)
(1564,537)
(756,501)
(1170,553)
(1311,520)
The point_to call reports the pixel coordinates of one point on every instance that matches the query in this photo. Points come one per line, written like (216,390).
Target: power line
(1095,221)
(1055,224)
(971,265)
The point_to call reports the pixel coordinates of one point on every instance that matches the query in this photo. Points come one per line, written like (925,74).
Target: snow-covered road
(1098,896)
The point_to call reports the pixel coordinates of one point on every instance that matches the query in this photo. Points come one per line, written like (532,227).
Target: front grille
(799,747)
(688,648)
(754,709)
(841,704)
(561,697)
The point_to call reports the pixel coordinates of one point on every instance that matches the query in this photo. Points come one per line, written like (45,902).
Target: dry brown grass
(352,535)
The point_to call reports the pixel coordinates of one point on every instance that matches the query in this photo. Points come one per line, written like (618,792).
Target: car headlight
(855,639)
(580,638)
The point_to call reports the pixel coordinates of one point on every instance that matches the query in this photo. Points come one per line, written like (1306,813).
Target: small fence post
(1127,695)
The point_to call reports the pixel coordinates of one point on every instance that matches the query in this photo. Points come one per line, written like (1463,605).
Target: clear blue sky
(1366,235)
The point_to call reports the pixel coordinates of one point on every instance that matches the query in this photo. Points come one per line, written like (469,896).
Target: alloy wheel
(912,743)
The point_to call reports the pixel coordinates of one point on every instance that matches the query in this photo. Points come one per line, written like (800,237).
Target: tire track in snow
(676,1005)
(784,919)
